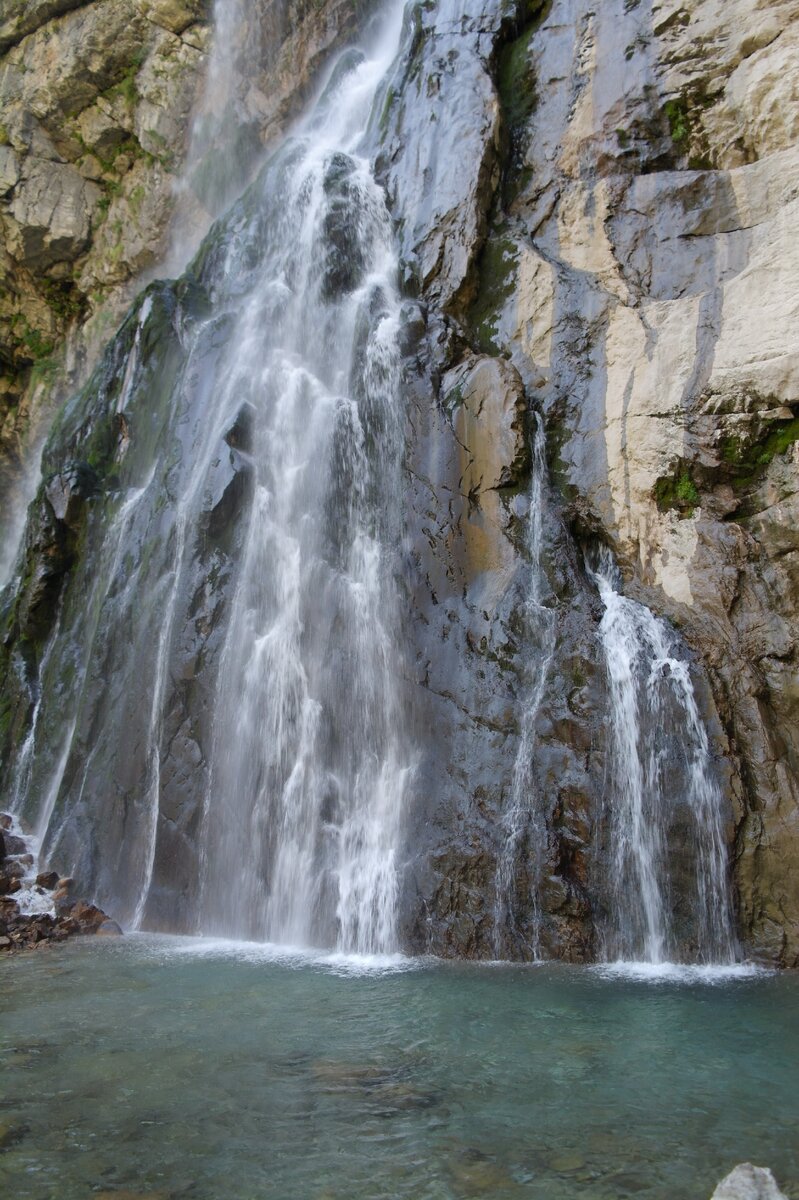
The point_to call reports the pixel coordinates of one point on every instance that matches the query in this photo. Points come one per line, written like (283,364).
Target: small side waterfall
(524,827)
(662,781)
(224,148)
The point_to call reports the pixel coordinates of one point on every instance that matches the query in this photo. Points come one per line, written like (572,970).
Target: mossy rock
(747,460)
(496,281)
(677,491)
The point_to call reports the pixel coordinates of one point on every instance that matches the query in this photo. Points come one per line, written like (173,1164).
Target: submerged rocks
(746,1182)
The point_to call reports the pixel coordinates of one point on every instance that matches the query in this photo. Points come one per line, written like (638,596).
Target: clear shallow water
(175,1068)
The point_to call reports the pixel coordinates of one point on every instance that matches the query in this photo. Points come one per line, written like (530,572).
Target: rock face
(595,213)
(746,1182)
(614,218)
(95,100)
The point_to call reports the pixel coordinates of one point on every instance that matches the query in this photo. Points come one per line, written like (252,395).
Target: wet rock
(47,880)
(63,889)
(747,1182)
(109,928)
(88,917)
(11,1133)
(14,844)
(479,1175)
(566,1162)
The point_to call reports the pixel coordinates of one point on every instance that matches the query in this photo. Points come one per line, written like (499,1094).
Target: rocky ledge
(36,906)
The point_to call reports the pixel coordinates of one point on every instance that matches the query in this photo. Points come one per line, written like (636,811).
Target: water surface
(173,1067)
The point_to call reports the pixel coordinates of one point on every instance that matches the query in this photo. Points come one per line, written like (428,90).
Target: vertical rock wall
(603,199)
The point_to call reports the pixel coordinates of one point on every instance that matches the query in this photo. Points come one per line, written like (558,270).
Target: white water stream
(662,772)
(309,768)
(524,826)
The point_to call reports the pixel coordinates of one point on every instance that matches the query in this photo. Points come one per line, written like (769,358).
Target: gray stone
(746,1182)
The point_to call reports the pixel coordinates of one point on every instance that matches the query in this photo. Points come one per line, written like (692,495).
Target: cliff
(594,214)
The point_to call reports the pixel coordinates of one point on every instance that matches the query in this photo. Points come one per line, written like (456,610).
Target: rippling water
(170,1067)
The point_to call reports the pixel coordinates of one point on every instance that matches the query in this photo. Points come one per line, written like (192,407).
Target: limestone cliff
(95,100)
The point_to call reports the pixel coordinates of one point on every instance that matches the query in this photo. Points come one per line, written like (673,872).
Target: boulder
(47,880)
(747,1182)
(109,928)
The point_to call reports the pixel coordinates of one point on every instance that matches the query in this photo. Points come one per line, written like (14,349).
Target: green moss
(685,491)
(127,88)
(454,399)
(683,115)
(136,197)
(63,298)
(747,460)
(516,81)
(5,140)
(33,343)
(496,283)
(678,492)
(44,371)
(677,115)
(385,112)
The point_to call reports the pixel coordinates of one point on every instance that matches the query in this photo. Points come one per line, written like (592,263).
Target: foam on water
(688,973)
(31,899)
(164,947)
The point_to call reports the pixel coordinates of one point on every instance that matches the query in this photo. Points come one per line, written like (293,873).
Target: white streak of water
(652,698)
(523,822)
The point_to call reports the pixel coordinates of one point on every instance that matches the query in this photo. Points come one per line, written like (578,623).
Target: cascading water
(662,777)
(224,147)
(251,451)
(524,827)
(309,769)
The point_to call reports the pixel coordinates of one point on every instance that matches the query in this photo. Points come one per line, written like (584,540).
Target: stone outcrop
(95,99)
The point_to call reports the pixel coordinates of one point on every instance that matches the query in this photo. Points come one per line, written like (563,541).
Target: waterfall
(523,826)
(308,766)
(251,464)
(224,147)
(662,776)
